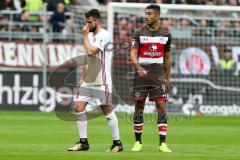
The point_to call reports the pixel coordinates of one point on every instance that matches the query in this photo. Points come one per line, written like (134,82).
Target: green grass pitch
(35,136)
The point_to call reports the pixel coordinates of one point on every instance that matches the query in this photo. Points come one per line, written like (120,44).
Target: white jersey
(99,65)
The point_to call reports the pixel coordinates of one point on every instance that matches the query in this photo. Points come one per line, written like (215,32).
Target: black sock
(84,140)
(138,126)
(138,137)
(162,127)
(162,139)
(117,142)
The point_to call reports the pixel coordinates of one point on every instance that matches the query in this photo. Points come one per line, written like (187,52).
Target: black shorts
(152,86)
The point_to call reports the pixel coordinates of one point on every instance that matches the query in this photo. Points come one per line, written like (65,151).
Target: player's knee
(106,109)
(160,103)
(161,106)
(79,108)
(139,106)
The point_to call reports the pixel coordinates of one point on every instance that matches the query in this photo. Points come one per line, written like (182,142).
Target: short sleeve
(102,41)
(168,44)
(135,40)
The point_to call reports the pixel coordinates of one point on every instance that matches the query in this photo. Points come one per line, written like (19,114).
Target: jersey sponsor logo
(152,54)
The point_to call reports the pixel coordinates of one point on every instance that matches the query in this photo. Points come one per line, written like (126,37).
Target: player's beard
(151,23)
(93,29)
(147,21)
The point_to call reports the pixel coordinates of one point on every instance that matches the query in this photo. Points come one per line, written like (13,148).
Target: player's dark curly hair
(93,13)
(154,7)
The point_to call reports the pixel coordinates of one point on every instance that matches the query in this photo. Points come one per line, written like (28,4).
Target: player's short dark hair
(93,13)
(154,7)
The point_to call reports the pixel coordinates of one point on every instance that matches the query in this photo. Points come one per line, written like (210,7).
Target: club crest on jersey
(153,47)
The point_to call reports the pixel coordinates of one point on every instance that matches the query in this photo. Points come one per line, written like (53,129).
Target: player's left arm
(90,49)
(167,65)
(167,60)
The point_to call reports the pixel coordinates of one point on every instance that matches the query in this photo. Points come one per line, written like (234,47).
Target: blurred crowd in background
(193,2)
(125,23)
(23,9)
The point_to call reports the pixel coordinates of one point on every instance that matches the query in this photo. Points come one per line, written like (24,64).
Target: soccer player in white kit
(96,81)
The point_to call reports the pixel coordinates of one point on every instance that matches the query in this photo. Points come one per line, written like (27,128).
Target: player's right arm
(134,55)
(90,49)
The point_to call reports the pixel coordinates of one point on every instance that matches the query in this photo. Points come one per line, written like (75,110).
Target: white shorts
(95,94)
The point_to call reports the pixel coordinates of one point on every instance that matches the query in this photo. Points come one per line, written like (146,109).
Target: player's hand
(141,71)
(85,29)
(80,82)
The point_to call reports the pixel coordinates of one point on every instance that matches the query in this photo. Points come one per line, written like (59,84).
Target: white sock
(82,124)
(113,125)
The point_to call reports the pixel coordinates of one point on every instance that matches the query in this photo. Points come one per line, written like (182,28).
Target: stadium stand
(192,2)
